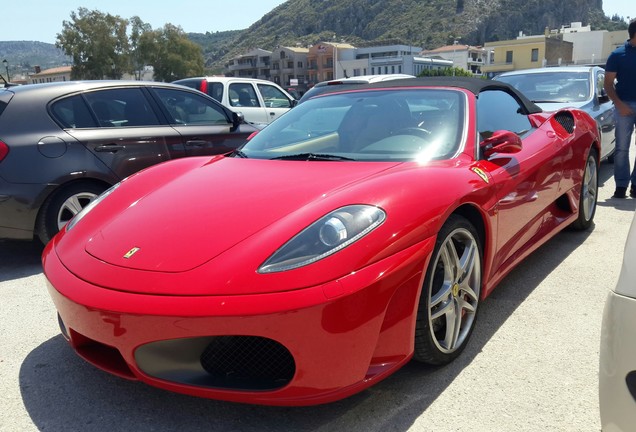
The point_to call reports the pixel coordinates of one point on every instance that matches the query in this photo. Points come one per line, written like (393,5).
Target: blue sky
(41,20)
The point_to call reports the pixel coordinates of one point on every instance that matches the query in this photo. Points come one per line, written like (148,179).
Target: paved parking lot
(531,364)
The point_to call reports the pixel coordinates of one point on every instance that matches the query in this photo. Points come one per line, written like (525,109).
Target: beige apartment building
(527,52)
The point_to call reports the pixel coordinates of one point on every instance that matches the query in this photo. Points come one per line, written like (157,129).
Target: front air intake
(249,359)
(247,363)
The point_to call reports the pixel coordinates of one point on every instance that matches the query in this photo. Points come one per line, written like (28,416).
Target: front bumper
(323,343)
(617,368)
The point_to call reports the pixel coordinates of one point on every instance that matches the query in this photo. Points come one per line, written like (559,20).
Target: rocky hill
(424,23)
(23,56)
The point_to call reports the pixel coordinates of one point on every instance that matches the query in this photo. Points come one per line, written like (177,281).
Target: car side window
(72,112)
(215,90)
(499,110)
(121,108)
(190,108)
(243,95)
(273,97)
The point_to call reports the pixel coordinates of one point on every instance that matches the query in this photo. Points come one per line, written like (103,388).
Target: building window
(300,65)
(535,55)
(508,56)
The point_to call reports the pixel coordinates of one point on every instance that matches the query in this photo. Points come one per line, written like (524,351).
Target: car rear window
(5,97)
(72,112)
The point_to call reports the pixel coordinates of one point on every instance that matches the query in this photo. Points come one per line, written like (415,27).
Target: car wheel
(60,208)
(450,295)
(589,193)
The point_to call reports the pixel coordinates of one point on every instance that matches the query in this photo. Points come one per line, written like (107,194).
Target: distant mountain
(23,56)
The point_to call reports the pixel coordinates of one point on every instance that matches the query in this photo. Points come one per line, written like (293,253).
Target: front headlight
(90,206)
(326,236)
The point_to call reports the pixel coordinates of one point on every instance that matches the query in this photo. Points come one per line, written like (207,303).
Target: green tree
(138,58)
(170,52)
(97,43)
(102,46)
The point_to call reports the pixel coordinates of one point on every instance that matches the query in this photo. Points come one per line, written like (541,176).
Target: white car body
(617,366)
(260,101)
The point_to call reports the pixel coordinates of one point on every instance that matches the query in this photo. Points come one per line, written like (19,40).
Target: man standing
(621,67)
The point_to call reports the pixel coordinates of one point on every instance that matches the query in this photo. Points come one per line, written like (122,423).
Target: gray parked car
(62,144)
(569,86)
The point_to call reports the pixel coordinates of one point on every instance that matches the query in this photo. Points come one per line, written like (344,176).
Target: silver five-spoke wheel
(450,295)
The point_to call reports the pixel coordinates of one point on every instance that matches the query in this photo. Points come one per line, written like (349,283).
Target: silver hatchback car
(582,87)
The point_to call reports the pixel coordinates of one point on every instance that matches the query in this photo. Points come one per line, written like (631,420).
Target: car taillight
(204,86)
(4,150)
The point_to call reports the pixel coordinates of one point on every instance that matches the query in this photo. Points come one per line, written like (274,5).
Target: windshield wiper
(313,156)
(239,154)
(545,101)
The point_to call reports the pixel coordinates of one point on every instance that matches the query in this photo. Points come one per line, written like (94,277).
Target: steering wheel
(415,131)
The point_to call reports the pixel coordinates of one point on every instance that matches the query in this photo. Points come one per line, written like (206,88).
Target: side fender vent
(565,119)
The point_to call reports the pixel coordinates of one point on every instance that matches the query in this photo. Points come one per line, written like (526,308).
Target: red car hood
(186,222)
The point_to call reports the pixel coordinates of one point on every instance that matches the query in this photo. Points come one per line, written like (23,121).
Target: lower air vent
(247,363)
(249,359)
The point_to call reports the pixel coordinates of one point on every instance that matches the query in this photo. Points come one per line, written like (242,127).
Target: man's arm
(621,106)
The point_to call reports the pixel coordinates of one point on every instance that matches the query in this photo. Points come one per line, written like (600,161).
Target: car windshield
(367,125)
(555,87)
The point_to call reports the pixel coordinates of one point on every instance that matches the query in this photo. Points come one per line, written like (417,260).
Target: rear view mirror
(501,141)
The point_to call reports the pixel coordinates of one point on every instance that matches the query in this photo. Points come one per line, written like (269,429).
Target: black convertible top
(474,85)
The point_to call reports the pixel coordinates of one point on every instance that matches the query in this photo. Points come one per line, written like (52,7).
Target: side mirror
(501,141)
(602,96)
(294,102)
(237,119)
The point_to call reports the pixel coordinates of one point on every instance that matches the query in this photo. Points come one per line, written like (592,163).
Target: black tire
(450,295)
(62,205)
(589,193)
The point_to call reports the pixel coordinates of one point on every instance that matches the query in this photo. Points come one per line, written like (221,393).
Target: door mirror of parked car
(501,141)
(602,95)
(237,119)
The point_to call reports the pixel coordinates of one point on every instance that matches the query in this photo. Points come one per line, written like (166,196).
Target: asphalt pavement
(531,364)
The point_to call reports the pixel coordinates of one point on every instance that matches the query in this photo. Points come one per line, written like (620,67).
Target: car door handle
(196,143)
(109,148)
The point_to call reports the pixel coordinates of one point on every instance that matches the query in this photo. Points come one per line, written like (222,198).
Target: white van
(259,101)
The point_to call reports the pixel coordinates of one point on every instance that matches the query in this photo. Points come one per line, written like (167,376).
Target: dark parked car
(570,86)
(62,144)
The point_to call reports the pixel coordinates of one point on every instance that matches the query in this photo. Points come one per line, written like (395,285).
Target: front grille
(261,362)
(566,120)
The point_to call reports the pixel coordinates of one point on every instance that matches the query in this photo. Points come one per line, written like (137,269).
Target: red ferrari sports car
(360,230)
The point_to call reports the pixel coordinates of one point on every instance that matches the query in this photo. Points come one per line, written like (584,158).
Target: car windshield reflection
(368,125)
(552,87)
